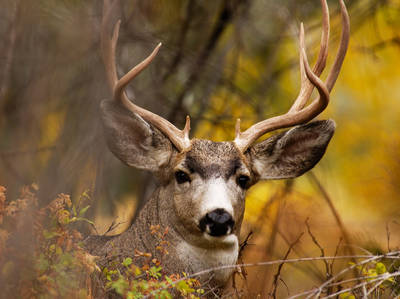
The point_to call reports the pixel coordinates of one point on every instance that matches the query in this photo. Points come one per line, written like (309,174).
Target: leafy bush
(42,255)
(132,281)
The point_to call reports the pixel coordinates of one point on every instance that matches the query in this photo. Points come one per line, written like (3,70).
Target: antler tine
(108,46)
(306,87)
(299,114)
(344,43)
(245,139)
(180,138)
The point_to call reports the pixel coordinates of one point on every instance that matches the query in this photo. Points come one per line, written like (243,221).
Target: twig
(113,226)
(381,279)
(318,291)
(245,243)
(279,197)
(314,239)
(284,283)
(374,288)
(358,278)
(364,290)
(336,253)
(239,270)
(278,274)
(388,236)
(369,258)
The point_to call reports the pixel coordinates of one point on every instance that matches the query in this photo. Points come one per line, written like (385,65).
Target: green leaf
(133,295)
(126,262)
(83,211)
(49,234)
(184,288)
(59,250)
(120,285)
(155,272)
(200,291)
(380,268)
(137,271)
(84,219)
(52,247)
(346,295)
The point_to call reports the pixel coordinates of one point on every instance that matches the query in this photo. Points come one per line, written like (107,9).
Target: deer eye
(242,181)
(181,177)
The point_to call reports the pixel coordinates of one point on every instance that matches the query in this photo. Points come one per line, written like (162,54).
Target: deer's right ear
(133,140)
(291,153)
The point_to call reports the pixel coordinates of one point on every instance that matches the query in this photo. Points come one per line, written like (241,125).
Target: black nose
(217,223)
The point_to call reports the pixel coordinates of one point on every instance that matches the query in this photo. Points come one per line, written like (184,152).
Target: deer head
(206,180)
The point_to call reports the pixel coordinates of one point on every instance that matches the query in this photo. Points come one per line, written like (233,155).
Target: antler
(180,138)
(298,114)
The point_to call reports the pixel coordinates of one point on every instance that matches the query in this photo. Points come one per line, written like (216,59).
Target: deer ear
(291,153)
(134,141)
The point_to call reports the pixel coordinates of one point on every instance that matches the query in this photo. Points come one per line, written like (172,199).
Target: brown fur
(179,206)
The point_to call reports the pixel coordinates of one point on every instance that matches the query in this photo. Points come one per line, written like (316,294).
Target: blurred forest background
(220,60)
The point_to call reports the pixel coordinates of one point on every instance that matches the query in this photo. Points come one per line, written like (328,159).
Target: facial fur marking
(216,197)
(224,169)
(233,166)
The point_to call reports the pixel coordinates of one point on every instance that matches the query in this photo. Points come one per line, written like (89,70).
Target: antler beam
(298,114)
(179,138)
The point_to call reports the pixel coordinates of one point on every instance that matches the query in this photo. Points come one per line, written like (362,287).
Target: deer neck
(188,252)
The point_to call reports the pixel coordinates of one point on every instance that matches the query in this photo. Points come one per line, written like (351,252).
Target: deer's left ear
(293,152)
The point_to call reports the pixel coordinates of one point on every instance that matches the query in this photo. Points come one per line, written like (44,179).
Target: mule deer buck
(202,184)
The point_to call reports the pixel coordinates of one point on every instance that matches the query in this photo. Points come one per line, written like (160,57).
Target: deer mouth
(217,230)
(225,241)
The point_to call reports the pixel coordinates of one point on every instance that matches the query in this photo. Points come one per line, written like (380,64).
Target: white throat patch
(206,258)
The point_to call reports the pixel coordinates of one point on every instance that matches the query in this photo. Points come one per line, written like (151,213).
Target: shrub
(42,255)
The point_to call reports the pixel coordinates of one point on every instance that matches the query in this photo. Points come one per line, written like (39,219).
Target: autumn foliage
(42,255)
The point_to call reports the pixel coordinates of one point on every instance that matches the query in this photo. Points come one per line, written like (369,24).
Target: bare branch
(314,239)
(366,259)
(336,253)
(278,274)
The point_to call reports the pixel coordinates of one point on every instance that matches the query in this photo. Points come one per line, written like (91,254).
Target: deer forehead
(214,159)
